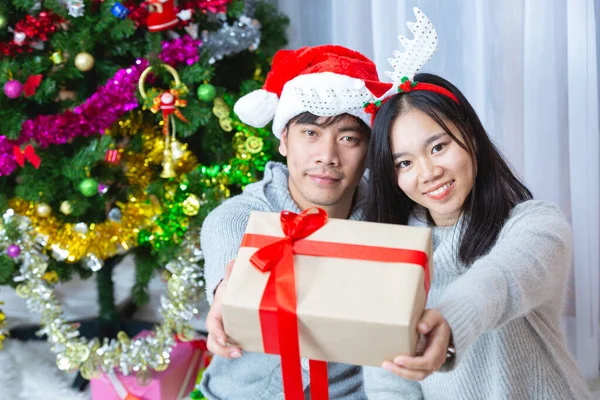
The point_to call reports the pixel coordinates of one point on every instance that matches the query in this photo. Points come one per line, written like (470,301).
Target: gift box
(174,383)
(356,289)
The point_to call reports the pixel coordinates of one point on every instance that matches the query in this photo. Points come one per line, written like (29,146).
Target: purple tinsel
(98,113)
(7,160)
(183,50)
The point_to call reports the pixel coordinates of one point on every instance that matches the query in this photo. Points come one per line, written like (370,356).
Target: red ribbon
(278,319)
(27,154)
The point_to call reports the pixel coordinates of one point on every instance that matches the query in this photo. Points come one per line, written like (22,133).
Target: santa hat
(323,80)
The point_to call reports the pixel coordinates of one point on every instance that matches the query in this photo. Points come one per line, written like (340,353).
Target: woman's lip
(438,186)
(442,195)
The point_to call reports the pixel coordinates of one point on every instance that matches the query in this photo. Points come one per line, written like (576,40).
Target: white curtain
(530,69)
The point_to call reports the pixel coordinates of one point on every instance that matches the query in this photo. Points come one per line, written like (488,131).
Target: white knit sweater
(504,311)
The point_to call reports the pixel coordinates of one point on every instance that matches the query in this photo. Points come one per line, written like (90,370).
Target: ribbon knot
(295,227)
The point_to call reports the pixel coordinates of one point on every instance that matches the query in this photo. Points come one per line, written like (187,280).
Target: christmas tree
(117,137)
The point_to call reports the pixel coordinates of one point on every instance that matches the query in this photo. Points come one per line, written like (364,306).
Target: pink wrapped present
(174,383)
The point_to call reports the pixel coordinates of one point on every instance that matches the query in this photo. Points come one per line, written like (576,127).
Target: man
(315,96)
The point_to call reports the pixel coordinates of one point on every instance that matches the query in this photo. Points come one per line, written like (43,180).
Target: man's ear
(283,143)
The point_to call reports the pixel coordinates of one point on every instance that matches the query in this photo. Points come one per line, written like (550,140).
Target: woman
(501,259)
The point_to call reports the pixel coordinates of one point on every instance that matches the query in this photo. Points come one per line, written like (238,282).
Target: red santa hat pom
(257,108)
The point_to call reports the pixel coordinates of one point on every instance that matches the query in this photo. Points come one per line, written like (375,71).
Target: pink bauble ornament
(13,251)
(13,89)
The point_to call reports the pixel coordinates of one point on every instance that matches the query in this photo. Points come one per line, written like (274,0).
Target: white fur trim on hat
(322,94)
(257,108)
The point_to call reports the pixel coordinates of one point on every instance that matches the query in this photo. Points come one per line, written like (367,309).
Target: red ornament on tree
(29,31)
(113,156)
(162,15)
(31,85)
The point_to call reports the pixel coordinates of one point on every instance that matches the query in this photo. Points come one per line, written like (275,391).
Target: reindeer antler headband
(416,53)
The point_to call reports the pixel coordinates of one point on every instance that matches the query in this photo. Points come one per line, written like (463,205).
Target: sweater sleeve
(221,237)
(526,268)
(384,385)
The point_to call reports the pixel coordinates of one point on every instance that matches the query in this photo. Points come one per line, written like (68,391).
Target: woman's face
(432,169)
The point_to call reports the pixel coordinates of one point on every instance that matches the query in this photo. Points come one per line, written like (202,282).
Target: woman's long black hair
(496,189)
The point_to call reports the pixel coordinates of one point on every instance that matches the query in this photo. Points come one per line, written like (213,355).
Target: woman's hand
(438,335)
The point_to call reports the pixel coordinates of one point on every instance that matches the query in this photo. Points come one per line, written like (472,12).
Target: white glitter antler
(416,51)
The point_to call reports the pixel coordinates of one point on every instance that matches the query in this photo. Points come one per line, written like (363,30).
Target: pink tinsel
(182,50)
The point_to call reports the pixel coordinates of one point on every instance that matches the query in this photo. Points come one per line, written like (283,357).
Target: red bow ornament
(27,154)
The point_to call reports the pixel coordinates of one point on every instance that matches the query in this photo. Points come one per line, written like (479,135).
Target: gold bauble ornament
(84,61)
(66,208)
(43,210)
(191,205)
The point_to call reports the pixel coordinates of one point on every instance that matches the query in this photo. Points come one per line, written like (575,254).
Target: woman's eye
(403,164)
(437,148)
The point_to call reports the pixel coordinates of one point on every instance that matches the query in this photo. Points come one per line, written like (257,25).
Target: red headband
(405,87)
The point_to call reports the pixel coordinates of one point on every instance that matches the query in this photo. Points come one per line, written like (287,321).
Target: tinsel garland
(177,308)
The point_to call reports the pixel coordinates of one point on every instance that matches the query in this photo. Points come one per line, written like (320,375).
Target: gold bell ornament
(167,102)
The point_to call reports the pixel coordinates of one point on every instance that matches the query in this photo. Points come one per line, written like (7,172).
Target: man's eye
(350,139)
(308,132)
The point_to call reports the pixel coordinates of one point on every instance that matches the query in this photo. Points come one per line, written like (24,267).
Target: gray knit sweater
(504,312)
(254,375)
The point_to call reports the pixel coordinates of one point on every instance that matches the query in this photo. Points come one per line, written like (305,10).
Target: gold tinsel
(103,240)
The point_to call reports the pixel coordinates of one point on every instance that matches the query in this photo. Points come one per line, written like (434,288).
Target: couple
(501,259)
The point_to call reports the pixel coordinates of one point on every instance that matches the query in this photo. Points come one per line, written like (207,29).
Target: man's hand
(217,339)
(438,334)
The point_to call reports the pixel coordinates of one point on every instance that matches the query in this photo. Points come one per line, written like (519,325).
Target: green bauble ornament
(206,92)
(88,187)
(3,21)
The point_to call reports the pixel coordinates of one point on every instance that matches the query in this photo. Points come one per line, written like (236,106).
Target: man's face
(325,161)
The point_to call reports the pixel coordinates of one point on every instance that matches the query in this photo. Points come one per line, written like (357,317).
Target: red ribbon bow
(27,154)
